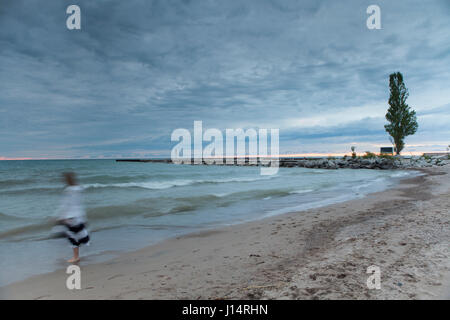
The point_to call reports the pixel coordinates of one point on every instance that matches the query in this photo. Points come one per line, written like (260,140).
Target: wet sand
(315,254)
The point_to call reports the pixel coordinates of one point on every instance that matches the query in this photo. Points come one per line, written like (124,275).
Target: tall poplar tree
(402,119)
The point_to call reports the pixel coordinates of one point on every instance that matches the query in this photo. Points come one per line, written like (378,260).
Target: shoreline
(270,258)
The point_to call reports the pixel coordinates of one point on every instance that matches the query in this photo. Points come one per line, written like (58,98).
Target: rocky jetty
(373,162)
(380,163)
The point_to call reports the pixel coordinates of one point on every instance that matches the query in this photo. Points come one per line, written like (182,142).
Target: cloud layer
(139,69)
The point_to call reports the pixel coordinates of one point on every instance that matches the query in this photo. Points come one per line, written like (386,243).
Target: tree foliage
(402,120)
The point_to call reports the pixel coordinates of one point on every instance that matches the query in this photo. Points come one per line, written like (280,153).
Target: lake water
(131,205)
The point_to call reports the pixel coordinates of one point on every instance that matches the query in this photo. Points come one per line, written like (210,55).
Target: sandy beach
(315,254)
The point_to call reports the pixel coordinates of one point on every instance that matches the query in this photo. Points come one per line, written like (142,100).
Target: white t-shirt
(71,204)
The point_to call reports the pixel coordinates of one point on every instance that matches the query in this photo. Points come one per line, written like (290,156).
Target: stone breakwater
(380,163)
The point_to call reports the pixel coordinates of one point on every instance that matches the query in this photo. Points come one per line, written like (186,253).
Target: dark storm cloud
(139,69)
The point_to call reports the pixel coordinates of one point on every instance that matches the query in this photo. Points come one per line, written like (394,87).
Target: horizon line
(310,154)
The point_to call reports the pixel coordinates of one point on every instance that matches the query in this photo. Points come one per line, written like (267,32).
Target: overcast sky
(139,69)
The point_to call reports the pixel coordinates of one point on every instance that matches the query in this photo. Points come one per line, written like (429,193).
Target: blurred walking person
(72,216)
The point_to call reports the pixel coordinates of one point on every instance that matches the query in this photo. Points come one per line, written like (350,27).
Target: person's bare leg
(76,256)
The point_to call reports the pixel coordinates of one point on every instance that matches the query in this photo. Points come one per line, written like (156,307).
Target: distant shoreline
(167,159)
(368,161)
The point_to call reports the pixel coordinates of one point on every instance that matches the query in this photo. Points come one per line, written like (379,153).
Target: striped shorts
(76,234)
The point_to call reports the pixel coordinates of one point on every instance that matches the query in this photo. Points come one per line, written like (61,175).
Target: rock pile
(381,163)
